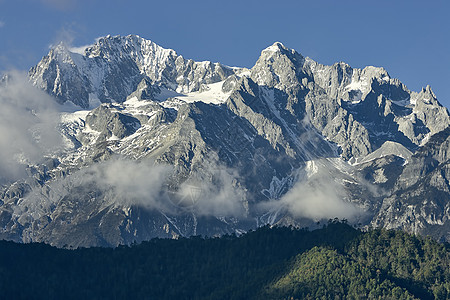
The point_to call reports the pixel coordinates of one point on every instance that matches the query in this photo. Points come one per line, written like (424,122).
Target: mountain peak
(273,143)
(278,65)
(60,48)
(278,48)
(112,68)
(429,91)
(275,47)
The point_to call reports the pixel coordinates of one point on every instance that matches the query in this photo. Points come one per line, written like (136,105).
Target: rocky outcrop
(420,200)
(114,67)
(181,148)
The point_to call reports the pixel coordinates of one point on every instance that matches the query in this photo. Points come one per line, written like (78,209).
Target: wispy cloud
(28,120)
(65,35)
(116,182)
(315,196)
(123,182)
(2,24)
(129,182)
(214,191)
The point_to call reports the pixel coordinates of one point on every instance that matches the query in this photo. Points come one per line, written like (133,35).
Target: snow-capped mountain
(113,68)
(164,146)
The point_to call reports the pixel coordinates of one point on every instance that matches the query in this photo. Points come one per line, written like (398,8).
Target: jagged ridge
(245,147)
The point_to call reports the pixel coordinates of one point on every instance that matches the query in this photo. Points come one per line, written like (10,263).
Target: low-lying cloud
(215,191)
(124,183)
(116,182)
(212,192)
(315,196)
(28,121)
(129,182)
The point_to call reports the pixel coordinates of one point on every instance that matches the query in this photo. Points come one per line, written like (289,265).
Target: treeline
(335,262)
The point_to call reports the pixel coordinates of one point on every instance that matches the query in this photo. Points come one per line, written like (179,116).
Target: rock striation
(163,146)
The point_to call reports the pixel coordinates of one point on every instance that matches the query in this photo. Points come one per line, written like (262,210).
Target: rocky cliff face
(181,148)
(114,67)
(420,201)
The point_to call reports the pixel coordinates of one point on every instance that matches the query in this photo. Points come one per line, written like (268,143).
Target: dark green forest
(334,262)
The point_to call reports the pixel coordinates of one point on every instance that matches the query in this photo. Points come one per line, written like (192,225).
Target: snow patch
(311,168)
(277,187)
(404,102)
(79,50)
(74,117)
(212,94)
(359,86)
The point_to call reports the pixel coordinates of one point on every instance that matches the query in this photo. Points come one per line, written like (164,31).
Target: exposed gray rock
(388,148)
(217,150)
(229,84)
(145,90)
(426,159)
(420,201)
(111,123)
(114,67)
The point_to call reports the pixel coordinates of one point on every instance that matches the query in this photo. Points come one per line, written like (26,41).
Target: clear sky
(411,39)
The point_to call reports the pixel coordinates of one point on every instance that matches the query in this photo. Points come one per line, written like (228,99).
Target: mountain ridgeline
(157,145)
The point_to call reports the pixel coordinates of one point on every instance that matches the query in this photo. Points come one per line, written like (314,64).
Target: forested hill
(335,262)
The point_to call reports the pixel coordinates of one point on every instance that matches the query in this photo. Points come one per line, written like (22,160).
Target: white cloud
(315,196)
(117,182)
(125,183)
(28,120)
(65,35)
(129,182)
(2,24)
(79,49)
(213,191)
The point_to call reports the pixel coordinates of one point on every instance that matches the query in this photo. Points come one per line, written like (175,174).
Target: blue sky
(411,39)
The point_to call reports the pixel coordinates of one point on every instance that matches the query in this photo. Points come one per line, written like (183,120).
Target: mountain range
(157,145)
